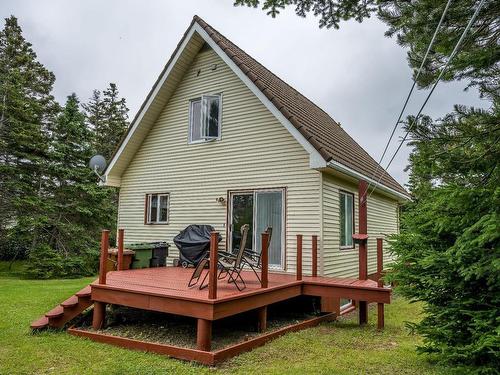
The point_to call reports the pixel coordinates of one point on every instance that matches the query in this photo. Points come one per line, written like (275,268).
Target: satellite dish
(98,164)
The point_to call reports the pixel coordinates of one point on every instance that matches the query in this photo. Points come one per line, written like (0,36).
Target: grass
(331,348)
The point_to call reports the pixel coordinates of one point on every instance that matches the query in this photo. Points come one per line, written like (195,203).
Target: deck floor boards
(173,281)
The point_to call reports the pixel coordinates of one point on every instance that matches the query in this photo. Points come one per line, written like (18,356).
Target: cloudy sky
(355,74)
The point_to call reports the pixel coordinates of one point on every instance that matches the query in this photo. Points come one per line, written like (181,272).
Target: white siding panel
(382,221)
(255,151)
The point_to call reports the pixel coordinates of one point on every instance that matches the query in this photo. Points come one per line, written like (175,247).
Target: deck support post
(212,276)
(262,316)
(104,256)
(204,335)
(264,259)
(314,272)
(99,315)
(363,248)
(121,233)
(330,304)
(299,257)
(380,283)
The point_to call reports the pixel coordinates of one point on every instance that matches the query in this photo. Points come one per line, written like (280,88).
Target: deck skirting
(208,358)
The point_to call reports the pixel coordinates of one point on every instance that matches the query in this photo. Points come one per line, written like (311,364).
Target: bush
(46,263)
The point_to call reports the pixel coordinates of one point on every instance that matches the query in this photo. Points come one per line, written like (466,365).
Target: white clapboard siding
(382,221)
(255,152)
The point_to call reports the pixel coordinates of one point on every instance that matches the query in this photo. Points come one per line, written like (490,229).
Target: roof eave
(378,186)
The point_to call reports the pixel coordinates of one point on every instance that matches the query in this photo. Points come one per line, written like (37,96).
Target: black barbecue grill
(193,244)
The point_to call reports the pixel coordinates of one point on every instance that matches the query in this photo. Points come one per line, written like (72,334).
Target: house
(221,140)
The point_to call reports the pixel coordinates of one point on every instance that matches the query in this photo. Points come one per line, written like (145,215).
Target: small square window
(157,206)
(346,219)
(205,118)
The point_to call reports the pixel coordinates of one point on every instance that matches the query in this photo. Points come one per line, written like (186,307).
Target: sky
(356,74)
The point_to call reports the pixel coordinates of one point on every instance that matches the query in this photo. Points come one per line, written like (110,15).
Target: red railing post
(212,276)
(380,261)
(299,257)
(380,283)
(104,256)
(363,229)
(363,246)
(264,259)
(121,233)
(314,256)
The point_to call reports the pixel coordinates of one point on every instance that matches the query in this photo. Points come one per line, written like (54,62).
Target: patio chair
(229,264)
(198,270)
(253,258)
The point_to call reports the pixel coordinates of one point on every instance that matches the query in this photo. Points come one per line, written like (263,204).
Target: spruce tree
(448,252)
(79,207)
(107,115)
(27,108)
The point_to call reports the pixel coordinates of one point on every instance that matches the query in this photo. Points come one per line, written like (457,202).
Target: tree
(448,250)
(27,109)
(107,115)
(413,23)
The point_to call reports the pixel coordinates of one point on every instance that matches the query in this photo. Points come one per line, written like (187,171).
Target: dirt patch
(180,331)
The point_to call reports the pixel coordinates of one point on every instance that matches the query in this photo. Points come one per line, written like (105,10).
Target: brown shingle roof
(324,134)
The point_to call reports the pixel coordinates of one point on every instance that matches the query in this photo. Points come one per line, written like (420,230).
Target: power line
(452,55)
(411,91)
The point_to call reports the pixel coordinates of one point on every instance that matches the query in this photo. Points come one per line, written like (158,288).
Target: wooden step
(66,311)
(70,302)
(56,312)
(41,323)
(85,292)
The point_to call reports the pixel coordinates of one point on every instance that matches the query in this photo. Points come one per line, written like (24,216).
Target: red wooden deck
(165,289)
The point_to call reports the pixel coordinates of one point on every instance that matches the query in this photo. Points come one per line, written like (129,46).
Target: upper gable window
(205,118)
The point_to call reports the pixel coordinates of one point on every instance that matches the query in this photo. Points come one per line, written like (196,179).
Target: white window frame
(203,121)
(347,247)
(148,211)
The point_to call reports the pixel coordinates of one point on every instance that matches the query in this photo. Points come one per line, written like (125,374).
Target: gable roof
(310,125)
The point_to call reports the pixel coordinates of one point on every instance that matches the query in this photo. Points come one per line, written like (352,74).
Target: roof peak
(314,123)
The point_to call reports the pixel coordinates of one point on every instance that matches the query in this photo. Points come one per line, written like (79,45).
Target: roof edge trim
(378,186)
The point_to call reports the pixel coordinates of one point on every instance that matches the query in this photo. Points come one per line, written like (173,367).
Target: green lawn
(331,348)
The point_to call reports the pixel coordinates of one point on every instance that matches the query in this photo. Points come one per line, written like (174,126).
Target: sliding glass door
(260,209)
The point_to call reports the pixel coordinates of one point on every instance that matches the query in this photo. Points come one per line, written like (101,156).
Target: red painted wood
(99,315)
(170,350)
(231,351)
(56,312)
(363,246)
(299,257)
(204,357)
(70,302)
(212,276)
(85,292)
(40,323)
(204,335)
(264,260)
(380,315)
(121,233)
(314,272)
(380,261)
(262,319)
(104,256)
(363,229)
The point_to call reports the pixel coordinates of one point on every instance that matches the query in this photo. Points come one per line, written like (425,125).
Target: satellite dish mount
(98,164)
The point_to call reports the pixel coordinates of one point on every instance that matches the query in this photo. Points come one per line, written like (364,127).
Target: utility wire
(415,79)
(452,55)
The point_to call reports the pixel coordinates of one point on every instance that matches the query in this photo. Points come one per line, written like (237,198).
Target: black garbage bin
(193,244)
(150,254)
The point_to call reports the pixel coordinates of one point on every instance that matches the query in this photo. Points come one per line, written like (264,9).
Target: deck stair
(64,312)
